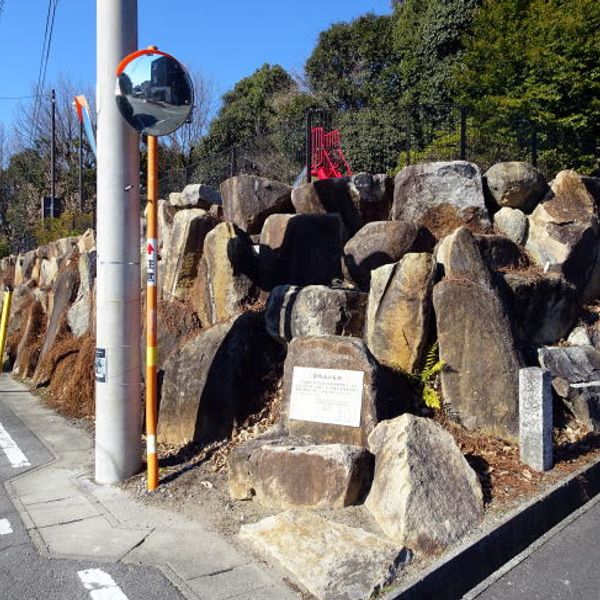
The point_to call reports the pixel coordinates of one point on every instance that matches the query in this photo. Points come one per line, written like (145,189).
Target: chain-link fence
(384,141)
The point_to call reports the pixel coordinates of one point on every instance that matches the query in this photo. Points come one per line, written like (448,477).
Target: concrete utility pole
(118,403)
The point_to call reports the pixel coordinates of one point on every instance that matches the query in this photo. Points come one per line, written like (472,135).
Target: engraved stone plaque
(331,396)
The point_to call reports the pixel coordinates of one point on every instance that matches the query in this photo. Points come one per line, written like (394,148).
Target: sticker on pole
(152,259)
(100,365)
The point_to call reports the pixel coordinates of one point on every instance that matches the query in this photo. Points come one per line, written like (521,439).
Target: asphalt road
(25,574)
(562,565)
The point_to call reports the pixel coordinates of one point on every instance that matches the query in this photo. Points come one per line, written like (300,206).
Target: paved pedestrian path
(68,516)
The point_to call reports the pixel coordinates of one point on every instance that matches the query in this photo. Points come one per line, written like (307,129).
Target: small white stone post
(535,418)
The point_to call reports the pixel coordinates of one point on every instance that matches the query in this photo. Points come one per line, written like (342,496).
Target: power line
(39,79)
(23,97)
(50,14)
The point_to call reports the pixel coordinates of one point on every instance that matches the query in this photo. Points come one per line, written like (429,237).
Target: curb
(464,568)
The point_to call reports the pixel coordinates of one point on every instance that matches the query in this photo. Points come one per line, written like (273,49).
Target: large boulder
(314,310)
(425,495)
(515,184)
(227,275)
(195,195)
(480,378)
(332,561)
(80,314)
(399,309)
(460,256)
(512,223)
(290,473)
(441,196)
(328,196)
(216,379)
(576,379)
(165,214)
(248,200)
(542,306)
(190,227)
(372,195)
(64,293)
(28,349)
(331,390)
(500,253)
(48,272)
(301,250)
(380,243)
(563,230)
(569,365)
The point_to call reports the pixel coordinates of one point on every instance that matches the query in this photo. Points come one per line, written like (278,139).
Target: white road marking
(5,527)
(16,458)
(100,585)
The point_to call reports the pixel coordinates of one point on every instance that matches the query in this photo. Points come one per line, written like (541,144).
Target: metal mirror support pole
(151,311)
(118,377)
(81,166)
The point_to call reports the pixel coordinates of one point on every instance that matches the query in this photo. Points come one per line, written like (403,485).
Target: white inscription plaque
(326,396)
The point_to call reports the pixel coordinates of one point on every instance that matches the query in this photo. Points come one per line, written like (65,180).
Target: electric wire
(50,15)
(40,70)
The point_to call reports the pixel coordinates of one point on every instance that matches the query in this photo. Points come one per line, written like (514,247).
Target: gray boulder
(380,243)
(480,379)
(512,223)
(195,195)
(441,196)
(571,364)
(332,561)
(64,293)
(583,400)
(425,495)
(314,310)
(248,200)
(515,184)
(372,195)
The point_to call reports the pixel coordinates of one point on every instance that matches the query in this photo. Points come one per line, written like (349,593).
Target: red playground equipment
(327,158)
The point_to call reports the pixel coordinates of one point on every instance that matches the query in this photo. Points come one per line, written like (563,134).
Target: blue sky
(226,40)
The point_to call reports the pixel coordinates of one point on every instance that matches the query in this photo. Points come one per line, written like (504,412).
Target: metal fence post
(408,134)
(534,145)
(308,145)
(463,132)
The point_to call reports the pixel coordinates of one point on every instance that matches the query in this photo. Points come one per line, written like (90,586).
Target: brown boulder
(291,473)
(320,409)
(563,230)
(227,275)
(398,311)
(301,250)
(217,379)
(190,227)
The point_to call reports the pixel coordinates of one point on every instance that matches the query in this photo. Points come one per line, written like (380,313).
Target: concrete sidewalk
(69,516)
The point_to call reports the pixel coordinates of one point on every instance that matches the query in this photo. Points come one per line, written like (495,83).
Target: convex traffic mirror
(154,92)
